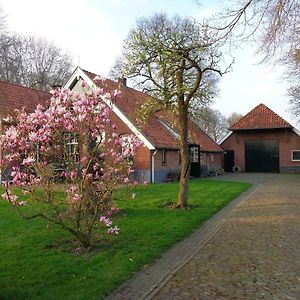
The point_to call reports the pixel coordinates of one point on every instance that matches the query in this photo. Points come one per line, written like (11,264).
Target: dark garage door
(262,156)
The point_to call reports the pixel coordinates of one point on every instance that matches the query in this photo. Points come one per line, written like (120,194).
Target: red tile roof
(261,117)
(154,131)
(14,96)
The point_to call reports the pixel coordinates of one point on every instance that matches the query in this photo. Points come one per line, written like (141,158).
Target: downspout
(152,166)
(1,153)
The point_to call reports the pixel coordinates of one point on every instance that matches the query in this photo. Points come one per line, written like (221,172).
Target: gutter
(1,153)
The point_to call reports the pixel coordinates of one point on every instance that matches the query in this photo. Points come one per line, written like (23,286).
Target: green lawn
(33,265)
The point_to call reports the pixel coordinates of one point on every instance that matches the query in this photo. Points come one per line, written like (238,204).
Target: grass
(32,267)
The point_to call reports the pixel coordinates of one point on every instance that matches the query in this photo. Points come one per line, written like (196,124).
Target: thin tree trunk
(185,158)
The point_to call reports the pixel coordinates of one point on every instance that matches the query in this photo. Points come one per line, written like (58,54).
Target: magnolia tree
(72,140)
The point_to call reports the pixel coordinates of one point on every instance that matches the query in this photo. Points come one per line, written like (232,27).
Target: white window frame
(194,154)
(292,155)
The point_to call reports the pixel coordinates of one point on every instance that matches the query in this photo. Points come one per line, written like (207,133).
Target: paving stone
(250,250)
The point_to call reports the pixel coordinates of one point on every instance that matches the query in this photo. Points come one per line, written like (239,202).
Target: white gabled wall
(80,73)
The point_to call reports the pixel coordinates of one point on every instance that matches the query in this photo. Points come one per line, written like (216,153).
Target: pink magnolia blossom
(113,230)
(99,79)
(28,160)
(105,220)
(77,197)
(5,196)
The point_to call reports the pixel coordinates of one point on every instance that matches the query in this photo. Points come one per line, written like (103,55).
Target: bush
(65,142)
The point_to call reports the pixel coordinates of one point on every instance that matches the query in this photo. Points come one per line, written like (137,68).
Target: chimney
(123,81)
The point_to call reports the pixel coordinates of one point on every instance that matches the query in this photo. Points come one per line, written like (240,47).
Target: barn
(262,141)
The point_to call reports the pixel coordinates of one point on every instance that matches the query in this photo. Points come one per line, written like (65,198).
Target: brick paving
(249,250)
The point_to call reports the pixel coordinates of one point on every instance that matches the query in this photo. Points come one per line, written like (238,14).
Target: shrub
(75,133)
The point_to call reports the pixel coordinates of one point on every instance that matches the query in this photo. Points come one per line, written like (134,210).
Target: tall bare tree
(30,61)
(33,62)
(175,61)
(212,122)
(274,23)
(293,63)
(275,26)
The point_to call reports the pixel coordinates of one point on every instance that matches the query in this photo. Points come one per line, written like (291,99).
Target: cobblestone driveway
(249,250)
(256,253)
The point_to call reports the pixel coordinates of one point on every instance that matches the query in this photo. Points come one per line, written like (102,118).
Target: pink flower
(99,79)
(5,196)
(22,203)
(115,94)
(113,230)
(13,199)
(84,159)
(28,160)
(73,175)
(112,211)
(77,197)
(33,136)
(105,221)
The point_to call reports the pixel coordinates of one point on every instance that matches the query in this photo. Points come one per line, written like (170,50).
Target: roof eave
(261,128)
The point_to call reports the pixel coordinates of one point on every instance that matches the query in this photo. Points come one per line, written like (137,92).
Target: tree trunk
(185,158)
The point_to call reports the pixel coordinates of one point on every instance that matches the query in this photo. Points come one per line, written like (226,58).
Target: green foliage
(36,263)
(168,57)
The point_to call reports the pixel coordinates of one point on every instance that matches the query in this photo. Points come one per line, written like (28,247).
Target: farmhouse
(159,158)
(262,141)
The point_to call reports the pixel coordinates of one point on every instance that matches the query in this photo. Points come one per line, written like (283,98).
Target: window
(295,155)
(164,157)
(212,157)
(194,154)
(71,148)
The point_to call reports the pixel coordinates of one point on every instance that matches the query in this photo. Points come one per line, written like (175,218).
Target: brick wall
(161,170)
(142,159)
(212,159)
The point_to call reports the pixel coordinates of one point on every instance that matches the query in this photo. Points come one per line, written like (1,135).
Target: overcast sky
(93,32)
